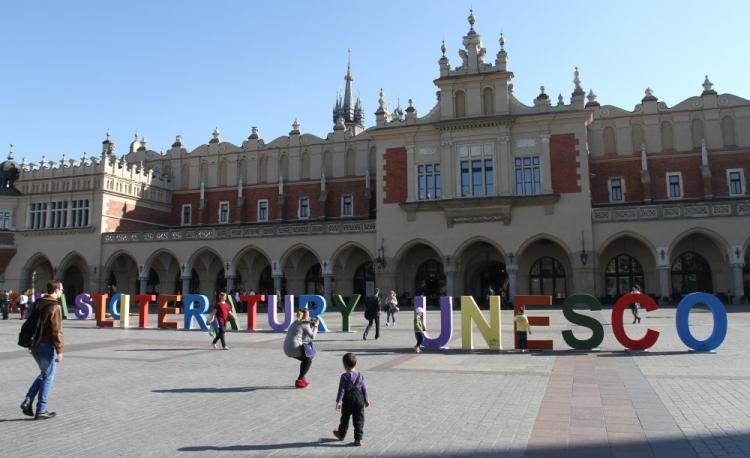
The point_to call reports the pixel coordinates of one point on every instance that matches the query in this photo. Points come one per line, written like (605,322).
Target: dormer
(475,88)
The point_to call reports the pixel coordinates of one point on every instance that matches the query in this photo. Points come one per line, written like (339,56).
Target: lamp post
(380,261)
(584,255)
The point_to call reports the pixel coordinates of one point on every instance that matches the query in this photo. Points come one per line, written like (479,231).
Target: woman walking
(391,307)
(301,332)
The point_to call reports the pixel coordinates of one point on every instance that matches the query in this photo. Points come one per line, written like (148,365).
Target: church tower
(347,109)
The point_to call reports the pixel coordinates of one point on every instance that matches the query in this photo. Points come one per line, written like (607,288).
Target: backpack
(30,333)
(353,396)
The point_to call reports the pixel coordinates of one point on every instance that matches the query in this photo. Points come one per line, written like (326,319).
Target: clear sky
(71,70)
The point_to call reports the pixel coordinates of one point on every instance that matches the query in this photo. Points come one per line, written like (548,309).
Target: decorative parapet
(670,210)
(243,231)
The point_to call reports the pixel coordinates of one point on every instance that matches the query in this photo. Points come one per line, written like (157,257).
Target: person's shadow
(216,389)
(322,442)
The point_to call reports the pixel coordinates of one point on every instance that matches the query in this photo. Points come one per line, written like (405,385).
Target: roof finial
(381,100)
(708,86)
(502,42)
(442,48)
(10,152)
(107,134)
(577,79)
(135,136)
(471,19)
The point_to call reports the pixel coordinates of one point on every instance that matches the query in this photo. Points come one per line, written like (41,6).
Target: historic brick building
(483,192)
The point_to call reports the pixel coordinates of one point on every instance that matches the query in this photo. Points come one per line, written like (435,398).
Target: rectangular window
(528,176)
(674,185)
(615,190)
(223,212)
(476,171)
(80,213)
(429,185)
(263,210)
(187,215)
(736,182)
(304,208)
(347,205)
(38,215)
(58,214)
(4,219)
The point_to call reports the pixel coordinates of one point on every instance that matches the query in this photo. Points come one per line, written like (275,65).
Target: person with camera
(301,333)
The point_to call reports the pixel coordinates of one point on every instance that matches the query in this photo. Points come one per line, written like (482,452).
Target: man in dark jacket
(47,350)
(372,313)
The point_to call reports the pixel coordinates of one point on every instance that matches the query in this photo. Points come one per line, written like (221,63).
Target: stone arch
(714,236)
(458,252)
(346,263)
(413,242)
(667,136)
(603,245)
(122,271)
(530,252)
(292,249)
(421,271)
(619,279)
(37,272)
(166,266)
(480,269)
(708,245)
(488,101)
(535,238)
(208,264)
(296,263)
(349,244)
(249,266)
(459,104)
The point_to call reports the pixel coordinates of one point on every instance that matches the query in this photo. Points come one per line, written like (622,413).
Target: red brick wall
(659,166)
(293,192)
(395,176)
(629,169)
(564,163)
(130,217)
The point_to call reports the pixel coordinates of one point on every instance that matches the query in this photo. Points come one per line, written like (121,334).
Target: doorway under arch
(691,273)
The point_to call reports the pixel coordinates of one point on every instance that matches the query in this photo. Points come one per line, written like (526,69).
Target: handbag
(308,349)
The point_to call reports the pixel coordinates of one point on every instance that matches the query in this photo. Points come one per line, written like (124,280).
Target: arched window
(284,166)
(304,166)
(263,170)
(610,143)
(488,101)
(430,281)
(351,157)
(364,280)
(328,163)
(621,274)
(691,273)
(667,136)
(547,276)
(460,104)
(727,131)
(696,132)
(636,134)
(314,280)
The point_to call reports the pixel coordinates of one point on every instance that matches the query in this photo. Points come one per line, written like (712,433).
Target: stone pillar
(664,285)
(230,283)
(512,270)
(185,285)
(450,277)
(738,285)
(327,277)
(277,282)
(143,283)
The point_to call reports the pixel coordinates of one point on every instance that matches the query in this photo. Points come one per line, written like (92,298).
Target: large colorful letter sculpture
(532,300)
(84,307)
(194,306)
(446,322)
(252,309)
(586,321)
(101,314)
(490,331)
(164,310)
(288,312)
(143,301)
(234,323)
(317,310)
(64,307)
(618,328)
(346,309)
(118,308)
(112,308)
(720,321)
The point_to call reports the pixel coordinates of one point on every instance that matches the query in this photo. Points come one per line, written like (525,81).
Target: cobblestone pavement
(131,392)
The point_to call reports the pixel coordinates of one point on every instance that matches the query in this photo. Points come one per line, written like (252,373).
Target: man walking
(372,314)
(46,349)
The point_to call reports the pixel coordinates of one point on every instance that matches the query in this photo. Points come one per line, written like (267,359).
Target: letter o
(720,321)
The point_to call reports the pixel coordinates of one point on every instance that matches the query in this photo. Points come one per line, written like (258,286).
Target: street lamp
(380,260)
(584,255)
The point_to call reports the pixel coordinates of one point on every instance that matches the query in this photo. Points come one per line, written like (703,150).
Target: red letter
(100,312)
(619,329)
(526,301)
(143,300)
(252,308)
(165,299)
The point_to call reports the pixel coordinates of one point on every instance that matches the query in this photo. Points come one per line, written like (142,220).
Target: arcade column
(738,285)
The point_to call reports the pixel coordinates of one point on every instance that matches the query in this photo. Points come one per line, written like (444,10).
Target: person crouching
(303,330)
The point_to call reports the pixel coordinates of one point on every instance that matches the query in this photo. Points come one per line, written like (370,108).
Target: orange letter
(165,299)
(143,301)
(252,308)
(101,314)
(526,301)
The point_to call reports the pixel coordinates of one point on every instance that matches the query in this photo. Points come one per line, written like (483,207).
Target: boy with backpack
(351,400)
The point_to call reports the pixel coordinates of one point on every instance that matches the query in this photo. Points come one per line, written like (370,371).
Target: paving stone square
(133,392)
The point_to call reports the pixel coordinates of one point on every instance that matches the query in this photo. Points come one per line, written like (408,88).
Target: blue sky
(71,70)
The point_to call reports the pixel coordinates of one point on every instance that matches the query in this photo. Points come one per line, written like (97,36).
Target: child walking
(221,312)
(351,400)
(419,328)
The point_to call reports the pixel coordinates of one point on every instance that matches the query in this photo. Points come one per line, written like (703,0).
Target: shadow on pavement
(323,441)
(164,349)
(212,389)
(3,420)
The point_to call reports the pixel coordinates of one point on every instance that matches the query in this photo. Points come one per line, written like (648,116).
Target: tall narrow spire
(349,108)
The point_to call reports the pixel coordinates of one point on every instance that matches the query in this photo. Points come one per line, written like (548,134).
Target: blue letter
(317,310)
(113,307)
(720,321)
(195,312)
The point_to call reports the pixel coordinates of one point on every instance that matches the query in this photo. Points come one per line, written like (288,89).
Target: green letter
(346,309)
(583,320)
